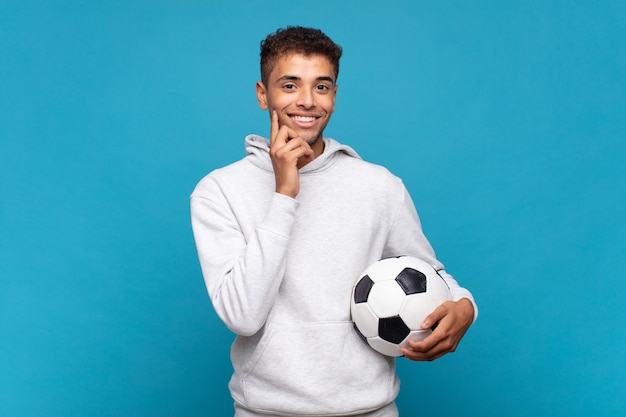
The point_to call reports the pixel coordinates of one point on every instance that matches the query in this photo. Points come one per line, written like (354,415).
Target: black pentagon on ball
(393,329)
(411,281)
(362,289)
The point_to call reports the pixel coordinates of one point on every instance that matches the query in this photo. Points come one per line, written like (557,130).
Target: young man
(282,235)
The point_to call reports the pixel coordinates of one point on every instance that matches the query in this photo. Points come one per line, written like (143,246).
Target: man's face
(301,89)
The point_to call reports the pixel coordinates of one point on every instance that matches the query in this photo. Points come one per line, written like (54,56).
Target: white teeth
(303,118)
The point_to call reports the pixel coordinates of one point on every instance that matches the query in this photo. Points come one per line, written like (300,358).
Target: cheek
(330,103)
(276,99)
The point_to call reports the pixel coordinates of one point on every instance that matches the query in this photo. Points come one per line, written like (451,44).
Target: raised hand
(286,149)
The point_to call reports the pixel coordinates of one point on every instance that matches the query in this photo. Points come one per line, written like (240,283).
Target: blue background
(505,119)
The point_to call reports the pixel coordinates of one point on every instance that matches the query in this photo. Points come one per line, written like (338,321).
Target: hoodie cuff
(281,214)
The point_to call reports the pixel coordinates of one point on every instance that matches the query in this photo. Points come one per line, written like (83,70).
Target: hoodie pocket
(315,369)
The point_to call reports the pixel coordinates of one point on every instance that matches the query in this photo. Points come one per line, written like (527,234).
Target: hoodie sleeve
(242,274)
(406,237)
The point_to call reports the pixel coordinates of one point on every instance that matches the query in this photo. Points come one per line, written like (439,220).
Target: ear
(261,95)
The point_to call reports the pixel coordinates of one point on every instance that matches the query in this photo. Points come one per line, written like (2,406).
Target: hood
(258,153)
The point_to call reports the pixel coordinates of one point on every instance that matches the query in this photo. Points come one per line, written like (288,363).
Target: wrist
(467,308)
(288,190)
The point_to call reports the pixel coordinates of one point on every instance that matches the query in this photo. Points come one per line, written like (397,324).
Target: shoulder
(369,183)
(352,160)
(220,177)
(371,172)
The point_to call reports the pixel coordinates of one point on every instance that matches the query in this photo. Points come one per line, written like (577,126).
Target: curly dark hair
(298,39)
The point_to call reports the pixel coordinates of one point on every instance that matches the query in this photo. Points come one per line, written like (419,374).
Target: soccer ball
(391,299)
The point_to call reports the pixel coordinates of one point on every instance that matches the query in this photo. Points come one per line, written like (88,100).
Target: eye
(323,87)
(289,87)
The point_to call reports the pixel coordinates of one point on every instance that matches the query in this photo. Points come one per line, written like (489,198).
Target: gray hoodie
(279,272)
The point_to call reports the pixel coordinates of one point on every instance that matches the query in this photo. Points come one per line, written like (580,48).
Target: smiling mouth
(304,119)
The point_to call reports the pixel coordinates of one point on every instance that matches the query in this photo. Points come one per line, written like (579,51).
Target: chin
(311,140)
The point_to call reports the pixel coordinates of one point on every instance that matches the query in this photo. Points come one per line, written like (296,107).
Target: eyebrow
(295,78)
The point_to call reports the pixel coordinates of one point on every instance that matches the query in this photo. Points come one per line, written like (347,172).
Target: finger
(433,318)
(280,135)
(294,152)
(427,350)
(308,151)
(425,345)
(422,357)
(414,356)
(293,143)
(438,337)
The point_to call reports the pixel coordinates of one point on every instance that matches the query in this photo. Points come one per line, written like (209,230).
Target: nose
(306,98)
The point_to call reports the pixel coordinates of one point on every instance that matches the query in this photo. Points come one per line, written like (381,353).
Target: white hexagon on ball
(368,321)
(386,298)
